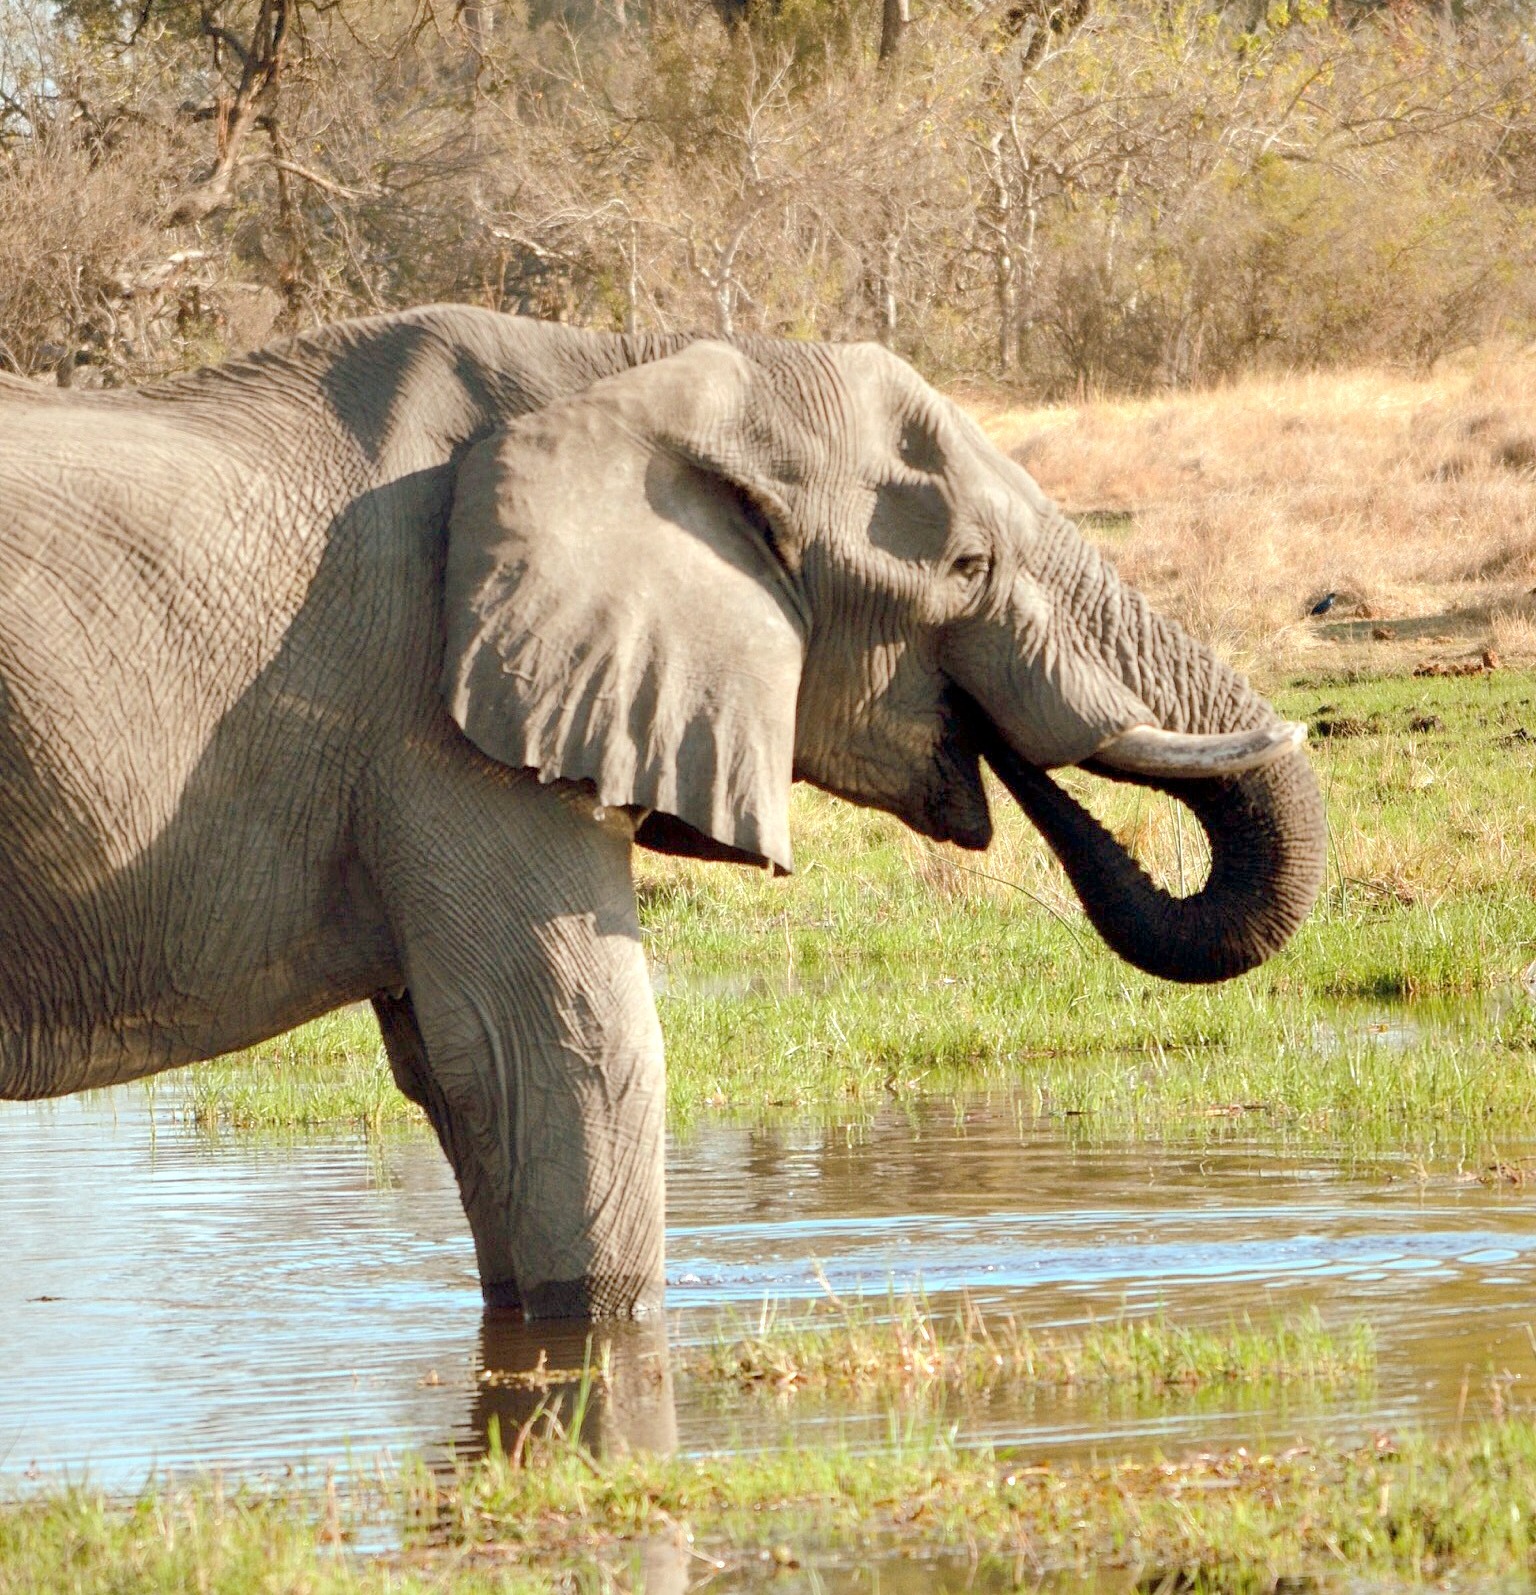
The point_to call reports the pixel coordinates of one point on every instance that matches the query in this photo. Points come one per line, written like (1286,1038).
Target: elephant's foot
(618,1297)
(502,1296)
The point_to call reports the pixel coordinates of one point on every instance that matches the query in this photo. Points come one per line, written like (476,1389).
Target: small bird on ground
(1323,605)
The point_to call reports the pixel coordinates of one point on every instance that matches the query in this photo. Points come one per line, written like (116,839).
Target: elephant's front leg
(528,1033)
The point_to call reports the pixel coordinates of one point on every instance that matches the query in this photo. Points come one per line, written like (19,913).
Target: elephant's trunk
(1267,852)
(1265,825)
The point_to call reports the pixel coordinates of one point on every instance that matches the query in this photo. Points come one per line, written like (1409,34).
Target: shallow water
(167,1302)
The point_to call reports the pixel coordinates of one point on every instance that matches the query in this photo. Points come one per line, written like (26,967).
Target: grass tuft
(906,1350)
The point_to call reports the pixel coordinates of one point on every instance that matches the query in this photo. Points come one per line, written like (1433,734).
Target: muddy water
(167,1303)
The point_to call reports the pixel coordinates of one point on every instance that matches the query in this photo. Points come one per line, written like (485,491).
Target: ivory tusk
(1149,750)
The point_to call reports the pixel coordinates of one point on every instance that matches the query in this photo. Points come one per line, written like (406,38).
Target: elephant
(358,666)
(614,1391)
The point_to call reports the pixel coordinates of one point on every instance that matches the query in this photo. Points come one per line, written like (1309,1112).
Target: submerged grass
(906,1351)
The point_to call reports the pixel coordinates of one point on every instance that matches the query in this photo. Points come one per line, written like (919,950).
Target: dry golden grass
(1412,498)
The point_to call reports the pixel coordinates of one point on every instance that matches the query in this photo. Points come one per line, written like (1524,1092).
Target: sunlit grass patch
(1411,1509)
(1431,883)
(904,1348)
(543,1513)
(1139,1064)
(212,1541)
(327,1075)
(1237,507)
(890,964)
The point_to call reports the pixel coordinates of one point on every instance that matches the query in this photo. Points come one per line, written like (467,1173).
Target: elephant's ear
(616,612)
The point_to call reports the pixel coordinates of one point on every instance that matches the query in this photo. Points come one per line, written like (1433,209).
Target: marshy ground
(1078,1276)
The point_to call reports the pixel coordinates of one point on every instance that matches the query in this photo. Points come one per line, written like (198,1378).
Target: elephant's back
(142,591)
(123,542)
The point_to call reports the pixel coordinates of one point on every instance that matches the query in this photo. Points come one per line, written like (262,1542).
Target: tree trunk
(888,262)
(1005,288)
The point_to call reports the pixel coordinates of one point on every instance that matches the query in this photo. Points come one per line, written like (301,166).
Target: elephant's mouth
(956,808)
(1252,792)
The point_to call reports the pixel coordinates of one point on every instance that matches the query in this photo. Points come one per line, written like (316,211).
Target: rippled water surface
(169,1302)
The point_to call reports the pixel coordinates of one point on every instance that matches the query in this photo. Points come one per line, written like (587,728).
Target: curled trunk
(1263,815)
(1267,839)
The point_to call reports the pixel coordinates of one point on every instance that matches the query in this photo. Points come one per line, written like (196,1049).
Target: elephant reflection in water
(615,1383)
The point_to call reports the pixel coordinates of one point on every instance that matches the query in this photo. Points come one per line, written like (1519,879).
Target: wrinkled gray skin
(352,669)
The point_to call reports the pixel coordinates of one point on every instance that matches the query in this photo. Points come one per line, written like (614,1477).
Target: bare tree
(255,62)
(1136,196)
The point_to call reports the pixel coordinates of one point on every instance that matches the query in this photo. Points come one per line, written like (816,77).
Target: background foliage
(1123,198)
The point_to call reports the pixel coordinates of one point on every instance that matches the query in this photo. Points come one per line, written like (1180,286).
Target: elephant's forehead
(903,420)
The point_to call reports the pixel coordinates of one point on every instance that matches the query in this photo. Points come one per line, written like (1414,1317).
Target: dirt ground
(1403,506)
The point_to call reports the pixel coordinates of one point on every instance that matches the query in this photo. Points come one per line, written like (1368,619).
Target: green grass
(329,1075)
(206,1541)
(545,1515)
(1418,1511)
(906,1352)
(889,965)
(1431,886)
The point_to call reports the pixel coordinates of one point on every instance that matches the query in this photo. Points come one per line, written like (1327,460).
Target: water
(171,1303)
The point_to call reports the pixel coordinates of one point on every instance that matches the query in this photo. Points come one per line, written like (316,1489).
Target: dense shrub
(1119,199)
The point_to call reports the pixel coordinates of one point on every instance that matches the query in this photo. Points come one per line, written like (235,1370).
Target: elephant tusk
(1174,755)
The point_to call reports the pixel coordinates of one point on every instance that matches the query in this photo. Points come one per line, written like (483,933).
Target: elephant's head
(727,568)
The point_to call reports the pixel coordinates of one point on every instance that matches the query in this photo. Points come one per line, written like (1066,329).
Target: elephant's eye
(972,568)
